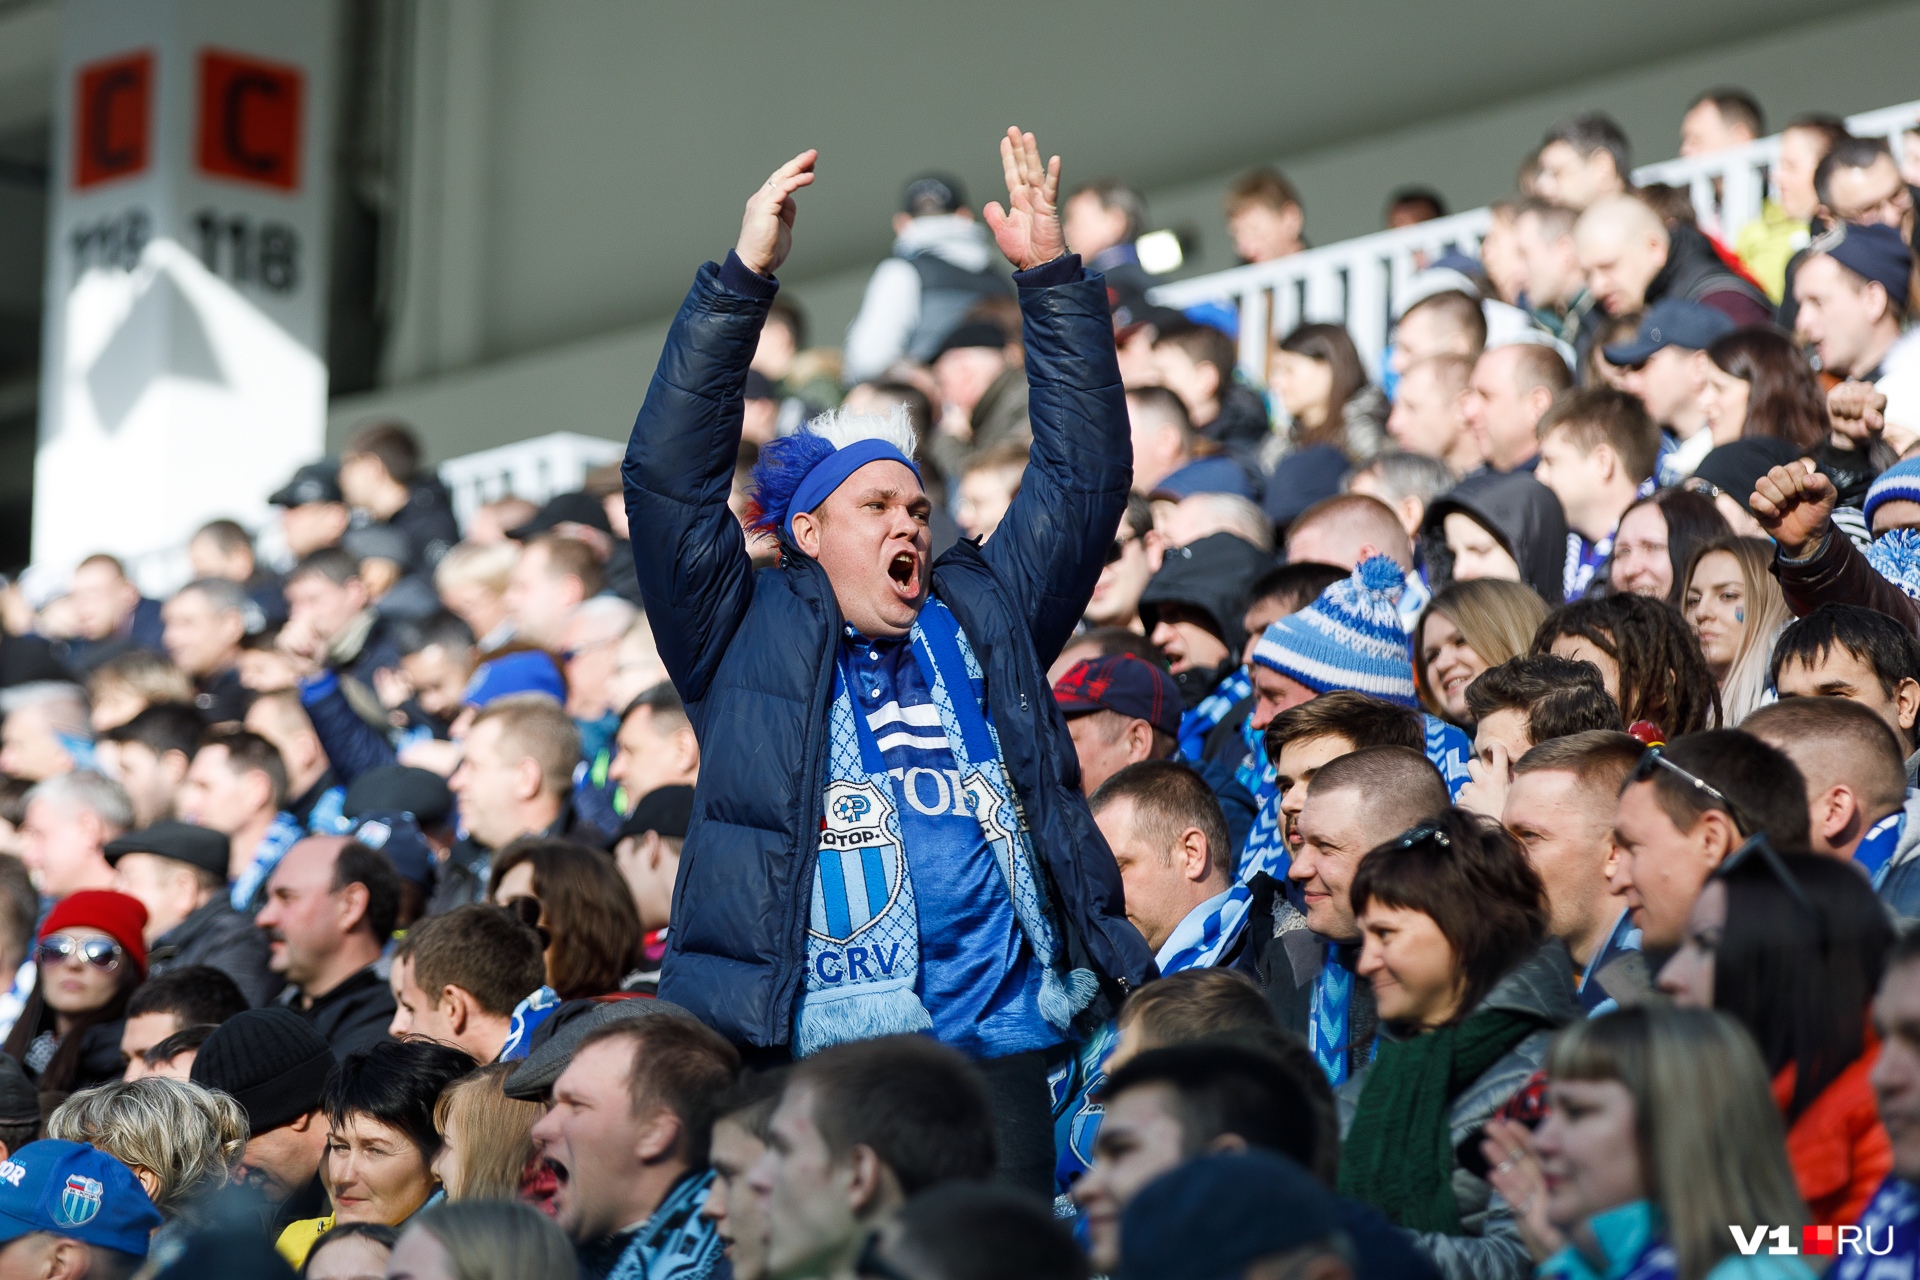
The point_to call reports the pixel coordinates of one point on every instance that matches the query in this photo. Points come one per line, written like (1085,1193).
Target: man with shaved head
(1344,530)
(1856,789)
(1510,390)
(1306,965)
(1633,260)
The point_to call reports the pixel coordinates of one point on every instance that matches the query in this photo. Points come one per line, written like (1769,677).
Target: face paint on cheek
(1740,615)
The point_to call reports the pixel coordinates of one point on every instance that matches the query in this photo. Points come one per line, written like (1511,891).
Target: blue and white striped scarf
(863,932)
(1206,940)
(677,1242)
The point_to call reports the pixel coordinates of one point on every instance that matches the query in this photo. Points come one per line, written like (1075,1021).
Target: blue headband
(832,471)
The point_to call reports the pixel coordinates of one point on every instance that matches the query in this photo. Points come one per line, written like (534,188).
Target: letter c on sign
(239,89)
(820,967)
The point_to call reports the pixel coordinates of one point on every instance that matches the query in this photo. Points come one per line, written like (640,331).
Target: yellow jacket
(1766,243)
(298,1239)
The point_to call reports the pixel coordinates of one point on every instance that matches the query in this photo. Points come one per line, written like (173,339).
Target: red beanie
(115,914)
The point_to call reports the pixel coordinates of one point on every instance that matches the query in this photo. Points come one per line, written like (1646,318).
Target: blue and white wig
(797,472)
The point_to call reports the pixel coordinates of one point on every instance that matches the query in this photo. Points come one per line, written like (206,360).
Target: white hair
(840,428)
(63,703)
(85,789)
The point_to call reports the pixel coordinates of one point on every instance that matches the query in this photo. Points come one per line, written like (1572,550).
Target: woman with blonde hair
(181,1140)
(121,688)
(486,1138)
(1660,1132)
(483,1240)
(1469,627)
(1733,603)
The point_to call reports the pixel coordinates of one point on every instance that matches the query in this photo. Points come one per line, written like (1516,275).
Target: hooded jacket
(752,653)
(1518,510)
(1693,270)
(941,266)
(1214,576)
(1490,1248)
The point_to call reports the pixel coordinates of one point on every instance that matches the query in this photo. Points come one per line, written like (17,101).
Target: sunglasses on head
(101,953)
(1425,833)
(1656,758)
(1762,848)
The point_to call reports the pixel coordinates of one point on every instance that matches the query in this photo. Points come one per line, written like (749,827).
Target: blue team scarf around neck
(1330,1028)
(863,932)
(1206,941)
(677,1242)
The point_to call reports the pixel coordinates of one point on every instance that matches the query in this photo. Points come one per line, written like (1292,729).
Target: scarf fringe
(1061,999)
(826,1021)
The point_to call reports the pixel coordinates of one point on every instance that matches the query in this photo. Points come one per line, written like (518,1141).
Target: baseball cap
(315,482)
(563,1030)
(931,194)
(666,810)
(974,333)
(1124,683)
(578,507)
(396,834)
(68,1189)
(1209,1218)
(528,671)
(1872,252)
(1671,322)
(420,792)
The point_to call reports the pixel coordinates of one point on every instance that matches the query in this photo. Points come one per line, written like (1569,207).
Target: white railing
(535,469)
(1354,282)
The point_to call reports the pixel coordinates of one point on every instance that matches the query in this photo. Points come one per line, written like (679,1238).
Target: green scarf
(1398,1155)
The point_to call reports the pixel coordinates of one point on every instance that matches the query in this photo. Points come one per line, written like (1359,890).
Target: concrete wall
(1850,62)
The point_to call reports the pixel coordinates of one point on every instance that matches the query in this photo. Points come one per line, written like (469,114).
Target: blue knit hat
(1350,638)
(1898,483)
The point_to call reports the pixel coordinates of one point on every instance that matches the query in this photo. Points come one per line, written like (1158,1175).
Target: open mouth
(904,569)
(560,1173)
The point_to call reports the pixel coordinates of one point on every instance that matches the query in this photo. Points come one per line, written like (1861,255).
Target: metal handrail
(1354,282)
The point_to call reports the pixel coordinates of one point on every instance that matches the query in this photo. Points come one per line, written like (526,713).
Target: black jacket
(1518,510)
(354,1015)
(428,522)
(1285,957)
(752,653)
(217,935)
(1694,271)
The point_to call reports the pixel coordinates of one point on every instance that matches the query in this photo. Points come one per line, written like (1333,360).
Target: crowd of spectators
(1468,836)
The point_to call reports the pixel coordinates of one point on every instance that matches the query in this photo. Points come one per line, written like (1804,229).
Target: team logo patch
(861,870)
(79,1200)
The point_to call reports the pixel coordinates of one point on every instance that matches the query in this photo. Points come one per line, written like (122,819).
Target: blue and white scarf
(1330,1029)
(677,1242)
(1874,853)
(526,1019)
(1196,724)
(281,836)
(863,933)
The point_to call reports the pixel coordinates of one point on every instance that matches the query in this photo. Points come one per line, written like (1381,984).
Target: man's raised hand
(1794,504)
(766,228)
(1028,231)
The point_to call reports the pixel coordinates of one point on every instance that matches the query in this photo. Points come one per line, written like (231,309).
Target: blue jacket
(752,653)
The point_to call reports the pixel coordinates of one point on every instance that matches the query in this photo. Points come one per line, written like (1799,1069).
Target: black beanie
(271,1062)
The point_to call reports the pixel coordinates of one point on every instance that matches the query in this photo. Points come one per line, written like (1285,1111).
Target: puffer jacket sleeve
(1052,543)
(689,554)
(1839,574)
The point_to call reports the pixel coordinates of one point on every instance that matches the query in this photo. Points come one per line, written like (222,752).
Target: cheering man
(888,834)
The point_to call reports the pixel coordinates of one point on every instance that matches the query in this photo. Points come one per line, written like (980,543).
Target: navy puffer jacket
(752,652)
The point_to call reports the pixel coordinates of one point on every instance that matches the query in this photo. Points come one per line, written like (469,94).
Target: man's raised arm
(690,556)
(1052,543)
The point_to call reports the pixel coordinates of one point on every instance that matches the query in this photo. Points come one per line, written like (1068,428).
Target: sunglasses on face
(1655,758)
(102,953)
(1118,549)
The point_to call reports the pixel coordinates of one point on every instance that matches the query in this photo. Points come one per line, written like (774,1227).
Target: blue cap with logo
(1671,322)
(69,1189)
(523,671)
